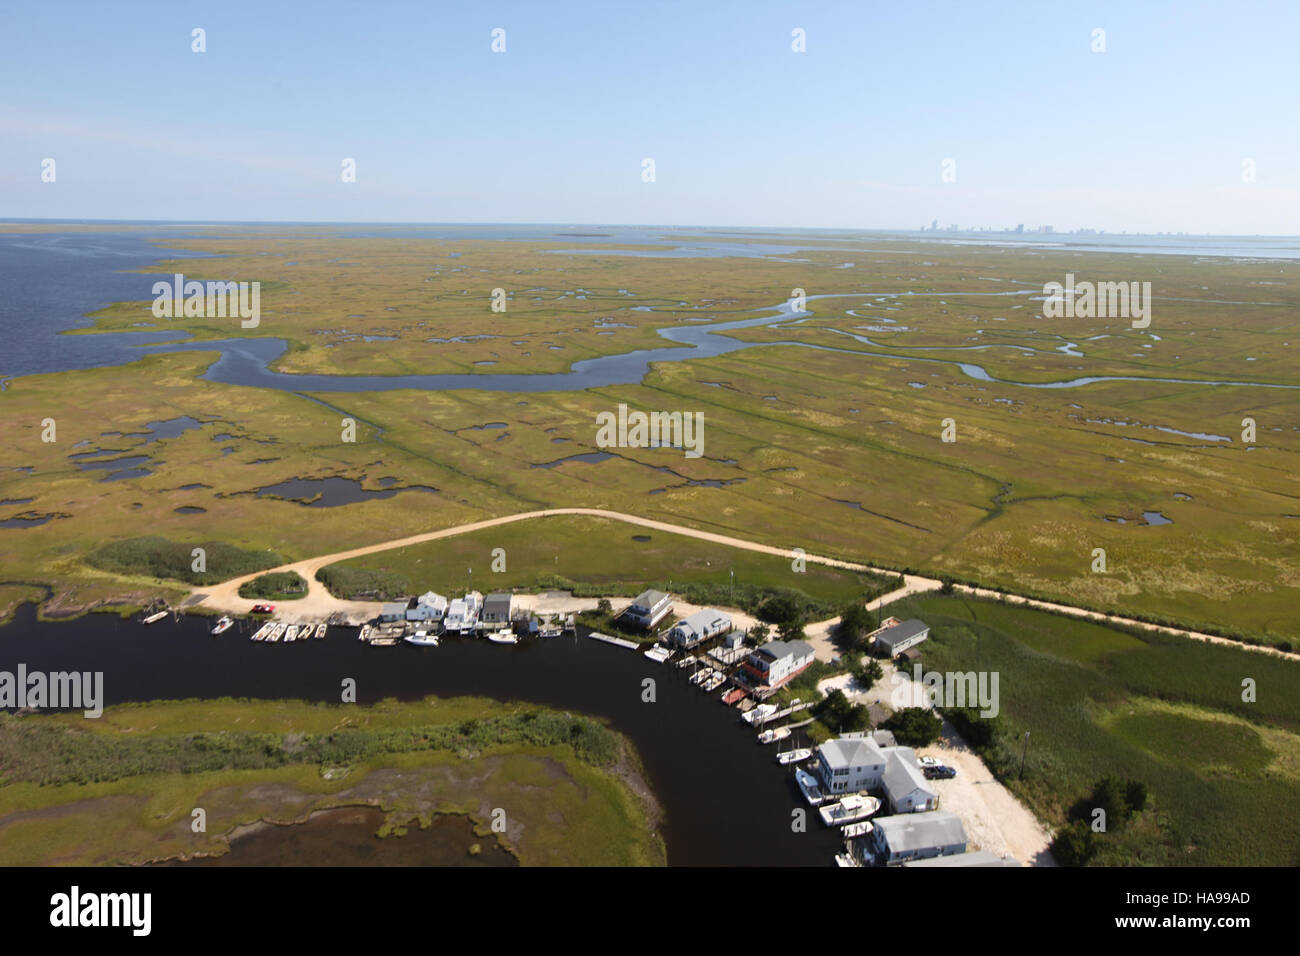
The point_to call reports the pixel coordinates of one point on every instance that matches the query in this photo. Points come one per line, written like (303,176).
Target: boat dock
(618,641)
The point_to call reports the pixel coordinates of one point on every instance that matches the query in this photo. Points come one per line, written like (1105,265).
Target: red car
(263,608)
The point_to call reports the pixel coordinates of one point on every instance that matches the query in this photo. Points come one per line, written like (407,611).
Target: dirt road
(320,604)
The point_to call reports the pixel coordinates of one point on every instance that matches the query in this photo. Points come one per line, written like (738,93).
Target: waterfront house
(775,664)
(850,764)
(496,611)
(893,640)
(648,608)
(700,626)
(429,606)
(917,836)
(393,611)
(906,788)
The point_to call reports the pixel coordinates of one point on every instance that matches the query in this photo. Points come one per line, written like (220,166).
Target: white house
(905,786)
(649,608)
(892,641)
(917,836)
(700,626)
(850,764)
(774,664)
(429,606)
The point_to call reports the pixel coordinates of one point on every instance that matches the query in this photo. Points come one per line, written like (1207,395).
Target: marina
(692,754)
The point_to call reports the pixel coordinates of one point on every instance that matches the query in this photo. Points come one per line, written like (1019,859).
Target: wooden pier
(618,641)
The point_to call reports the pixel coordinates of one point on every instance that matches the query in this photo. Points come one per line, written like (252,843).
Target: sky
(1153,134)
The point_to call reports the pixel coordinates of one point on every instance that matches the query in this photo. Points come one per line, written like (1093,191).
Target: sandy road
(319,603)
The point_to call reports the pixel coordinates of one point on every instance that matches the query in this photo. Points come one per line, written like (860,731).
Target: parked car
(263,608)
(938,772)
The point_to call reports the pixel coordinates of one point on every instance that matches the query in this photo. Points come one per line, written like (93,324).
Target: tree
(1135,795)
(791,631)
(758,633)
(867,675)
(914,726)
(1074,845)
(603,606)
(780,609)
(855,624)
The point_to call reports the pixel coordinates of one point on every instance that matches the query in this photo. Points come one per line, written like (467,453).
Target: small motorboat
(223,624)
(320,630)
(794,756)
(505,636)
(809,787)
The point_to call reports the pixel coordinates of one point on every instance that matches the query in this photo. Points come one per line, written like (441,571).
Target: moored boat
(849,810)
(774,734)
(809,787)
(658,653)
(364,633)
(223,624)
(853,830)
(156,616)
(504,636)
(424,639)
(320,630)
(758,714)
(794,756)
(291,634)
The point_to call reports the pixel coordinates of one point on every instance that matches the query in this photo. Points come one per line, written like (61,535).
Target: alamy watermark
(57,690)
(953,689)
(626,429)
(208,300)
(1100,300)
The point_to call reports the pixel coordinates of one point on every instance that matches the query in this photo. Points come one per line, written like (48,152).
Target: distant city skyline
(774,115)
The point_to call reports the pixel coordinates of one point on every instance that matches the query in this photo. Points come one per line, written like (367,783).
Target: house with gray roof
(496,611)
(648,608)
(699,627)
(892,641)
(905,786)
(850,764)
(917,836)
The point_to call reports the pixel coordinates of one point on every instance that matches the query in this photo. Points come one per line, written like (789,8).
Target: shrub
(914,726)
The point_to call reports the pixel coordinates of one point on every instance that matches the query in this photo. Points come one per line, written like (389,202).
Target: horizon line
(630,225)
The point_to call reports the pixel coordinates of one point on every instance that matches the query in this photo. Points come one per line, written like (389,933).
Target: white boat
(223,624)
(714,682)
(854,830)
(364,633)
(503,636)
(550,627)
(773,735)
(794,756)
(291,634)
(424,639)
(849,810)
(702,675)
(758,714)
(261,633)
(846,859)
(687,662)
(276,633)
(320,631)
(658,653)
(570,625)
(157,616)
(809,787)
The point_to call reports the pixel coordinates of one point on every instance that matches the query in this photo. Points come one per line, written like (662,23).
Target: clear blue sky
(1149,135)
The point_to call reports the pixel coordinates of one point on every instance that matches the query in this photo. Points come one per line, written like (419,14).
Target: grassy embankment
(121,789)
(1223,773)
